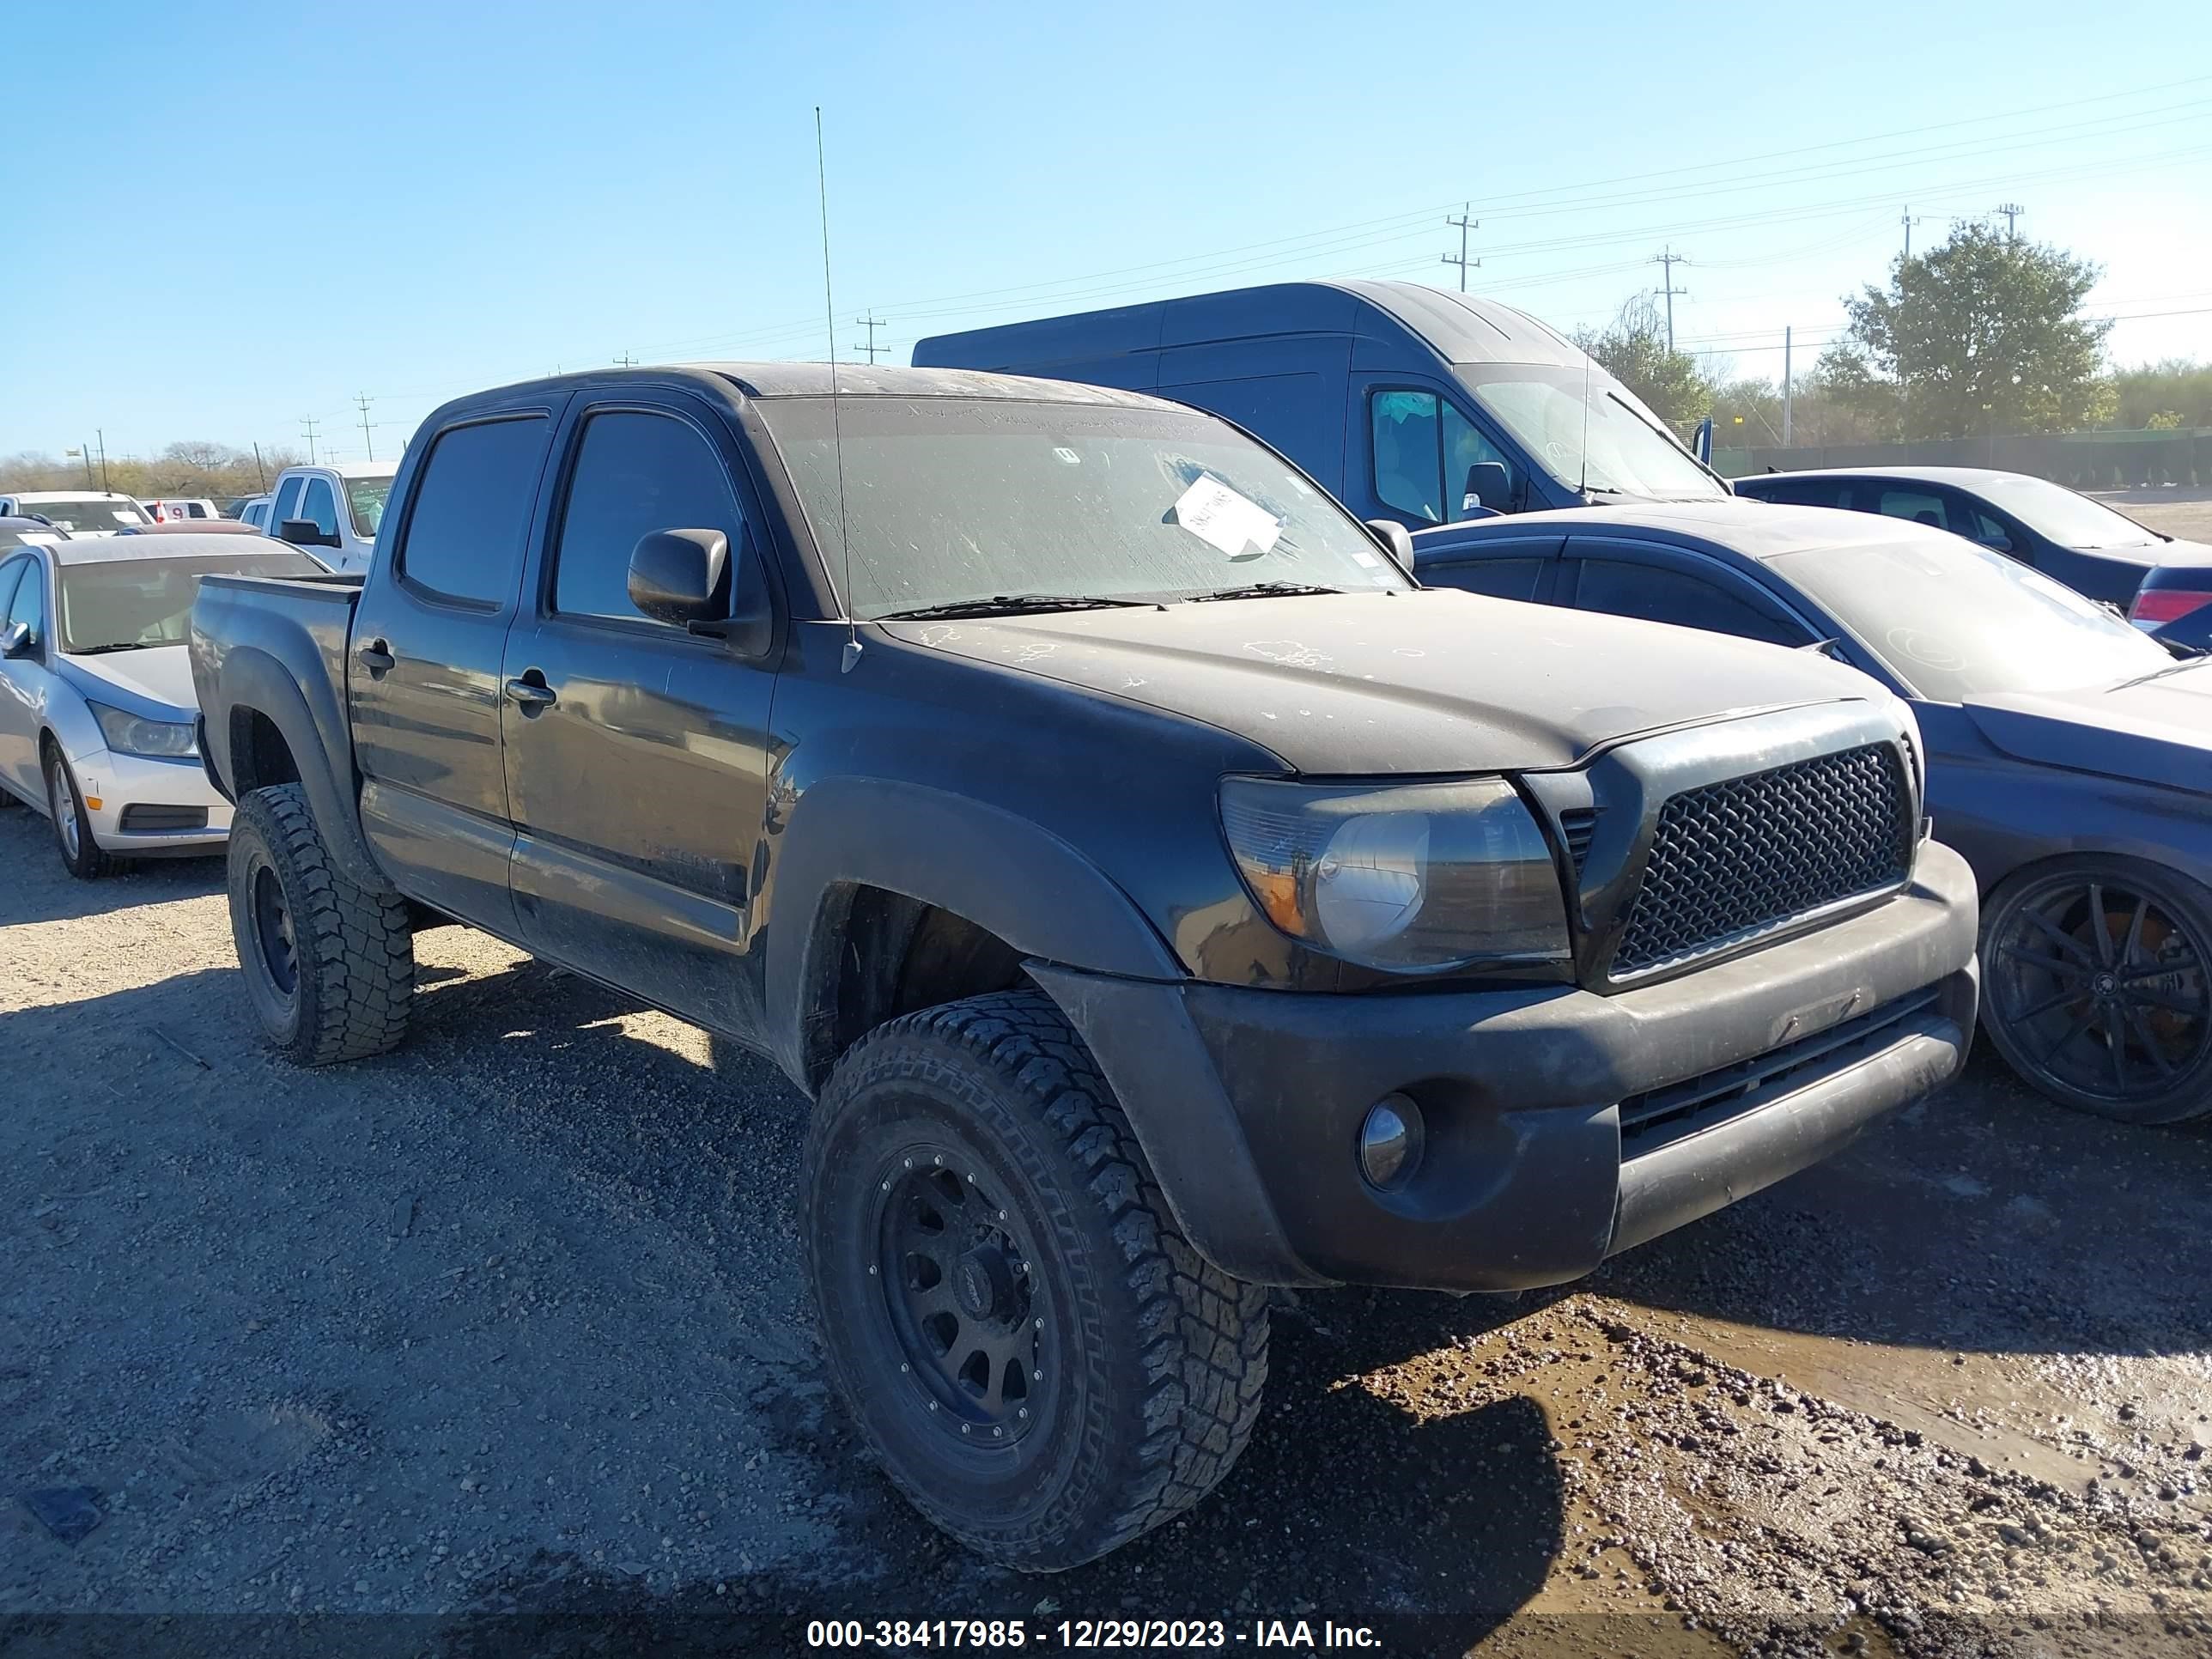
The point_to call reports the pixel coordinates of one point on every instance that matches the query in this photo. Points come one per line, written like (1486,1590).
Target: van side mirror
(1489,485)
(303,533)
(16,640)
(1396,542)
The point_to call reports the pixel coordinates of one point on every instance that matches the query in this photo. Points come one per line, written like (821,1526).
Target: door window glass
(288,502)
(10,573)
(1502,579)
(1464,446)
(1653,593)
(29,605)
(1800,492)
(1408,465)
(636,473)
(320,504)
(471,510)
(1918,506)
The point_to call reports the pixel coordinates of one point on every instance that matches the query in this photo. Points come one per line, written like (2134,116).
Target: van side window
(1423,448)
(473,508)
(636,473)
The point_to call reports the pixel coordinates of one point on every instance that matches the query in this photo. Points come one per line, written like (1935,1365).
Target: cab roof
(185,544)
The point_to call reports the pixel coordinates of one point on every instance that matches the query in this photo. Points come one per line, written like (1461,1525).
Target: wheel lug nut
(1002,1215)
(1040,1324)
(998,1434)
(963,1428)
(933,1404)
(903,1369)
(872,1273)
(1023,1413)
(939,1160)
(909,1164)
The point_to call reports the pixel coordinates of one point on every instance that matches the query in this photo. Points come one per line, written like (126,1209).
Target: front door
(23,679)
(637,751)
(423,675)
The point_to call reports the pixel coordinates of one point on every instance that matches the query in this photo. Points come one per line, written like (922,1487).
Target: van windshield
(1559,414)
(954,501)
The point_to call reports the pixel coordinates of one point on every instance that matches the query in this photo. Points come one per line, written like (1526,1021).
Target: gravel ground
(2186,513)
(498,1342)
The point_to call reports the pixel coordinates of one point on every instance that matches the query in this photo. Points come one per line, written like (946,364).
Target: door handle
(376,658)
(532,695)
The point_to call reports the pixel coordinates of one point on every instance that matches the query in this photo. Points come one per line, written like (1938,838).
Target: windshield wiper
(117,645)
(1008,605)
(1262,591)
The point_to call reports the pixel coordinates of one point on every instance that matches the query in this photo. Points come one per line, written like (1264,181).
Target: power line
(1465,225)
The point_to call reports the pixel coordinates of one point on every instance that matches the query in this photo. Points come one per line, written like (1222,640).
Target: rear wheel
(80,853)
(1044,1366)
(329,968)
(2099,987)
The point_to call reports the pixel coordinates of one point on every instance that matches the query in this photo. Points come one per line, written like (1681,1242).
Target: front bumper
(1249,1103)
(150,808)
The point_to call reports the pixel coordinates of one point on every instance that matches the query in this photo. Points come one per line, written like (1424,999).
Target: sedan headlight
(1418,876)
(128,734)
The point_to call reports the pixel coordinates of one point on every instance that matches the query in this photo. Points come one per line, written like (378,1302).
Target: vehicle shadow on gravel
(1985,1219)
(40,890)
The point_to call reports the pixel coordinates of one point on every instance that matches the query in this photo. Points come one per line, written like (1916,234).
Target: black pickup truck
(1159,895)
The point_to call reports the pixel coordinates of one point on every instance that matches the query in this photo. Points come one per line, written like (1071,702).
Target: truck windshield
(1560,416)
(133,605)
(948,501)
(365,498)
(80,513)
(1953,621)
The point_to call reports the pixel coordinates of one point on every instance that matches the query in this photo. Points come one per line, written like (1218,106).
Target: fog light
(1391,1142)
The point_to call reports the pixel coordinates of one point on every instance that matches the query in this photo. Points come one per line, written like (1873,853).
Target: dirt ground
(497,1345)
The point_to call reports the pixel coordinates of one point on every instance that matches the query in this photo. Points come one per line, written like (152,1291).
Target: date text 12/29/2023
(1081,1635)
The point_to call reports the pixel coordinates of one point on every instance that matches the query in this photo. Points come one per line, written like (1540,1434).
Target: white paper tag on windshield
(1222,518)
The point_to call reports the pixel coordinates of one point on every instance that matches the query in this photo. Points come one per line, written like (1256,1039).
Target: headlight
(127,734)
(1414,877)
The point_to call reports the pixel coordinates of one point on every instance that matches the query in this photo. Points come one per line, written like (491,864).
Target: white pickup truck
(333,508)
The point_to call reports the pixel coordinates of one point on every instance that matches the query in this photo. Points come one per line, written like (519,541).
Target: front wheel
(1044,1366)
(2099,990)
(329,968)
(81,854)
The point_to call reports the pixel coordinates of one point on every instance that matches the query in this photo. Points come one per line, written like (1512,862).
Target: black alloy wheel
(2099,987)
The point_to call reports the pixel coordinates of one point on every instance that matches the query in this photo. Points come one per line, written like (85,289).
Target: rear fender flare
(254,680)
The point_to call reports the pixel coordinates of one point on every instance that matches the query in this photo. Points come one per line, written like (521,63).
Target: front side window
(319,505)
(29,605)
(636,473)
(1423,448)
(947,500)
(1653,592)
(288,502)
(464,536)
(10,573)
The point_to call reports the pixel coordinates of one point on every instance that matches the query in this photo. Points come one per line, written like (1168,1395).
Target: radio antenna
(836,423)
(1582,485)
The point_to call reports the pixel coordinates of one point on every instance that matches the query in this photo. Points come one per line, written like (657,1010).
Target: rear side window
(1653,593)
(320,504)
(1799,492)
(471,510)
(1916,507)
(636,473)
(288,502)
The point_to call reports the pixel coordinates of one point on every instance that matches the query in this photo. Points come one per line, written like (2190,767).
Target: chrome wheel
(61,801)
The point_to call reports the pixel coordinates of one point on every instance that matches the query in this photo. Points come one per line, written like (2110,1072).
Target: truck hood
(1423,681)
(155,683)
(2157,731)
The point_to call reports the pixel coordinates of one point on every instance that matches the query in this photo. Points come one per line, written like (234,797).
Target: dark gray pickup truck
(1159,895)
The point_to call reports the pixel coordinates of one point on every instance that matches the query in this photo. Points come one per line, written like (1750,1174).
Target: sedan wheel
(80,853)
(2099,988)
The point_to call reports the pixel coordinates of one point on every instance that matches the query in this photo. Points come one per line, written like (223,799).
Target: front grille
(1737,859)
(1697,1102)
(146,820)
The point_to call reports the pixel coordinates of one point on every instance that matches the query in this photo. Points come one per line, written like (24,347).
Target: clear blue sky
(234,215)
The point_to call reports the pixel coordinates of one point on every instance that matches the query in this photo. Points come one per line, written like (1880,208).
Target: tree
(2173,387)
(1983,334)
(1633,349)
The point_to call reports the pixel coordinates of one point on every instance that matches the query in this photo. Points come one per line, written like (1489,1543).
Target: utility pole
(1908,221)
(260,470)
(625,361)
(307,425)
(360,402)
(102,436)
(1785,373)
(871,324)
(1465,225)
(2012,211)
(84,452)
(1670,260)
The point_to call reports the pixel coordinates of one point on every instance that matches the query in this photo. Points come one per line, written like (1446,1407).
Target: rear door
(1654,582)
(423,675)
(1504,568)
(637,751)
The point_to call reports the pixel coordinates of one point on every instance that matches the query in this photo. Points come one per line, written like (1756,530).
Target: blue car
(2069,756)
(2069,537)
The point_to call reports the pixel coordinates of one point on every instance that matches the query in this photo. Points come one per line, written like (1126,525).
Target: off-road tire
(71,823)
(352,955)
(1151,1362)
(2125,969)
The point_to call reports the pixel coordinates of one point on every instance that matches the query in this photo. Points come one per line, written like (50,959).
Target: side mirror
(674,575)
(16,640)
(302,532)
(1396,542)
(1489,485)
